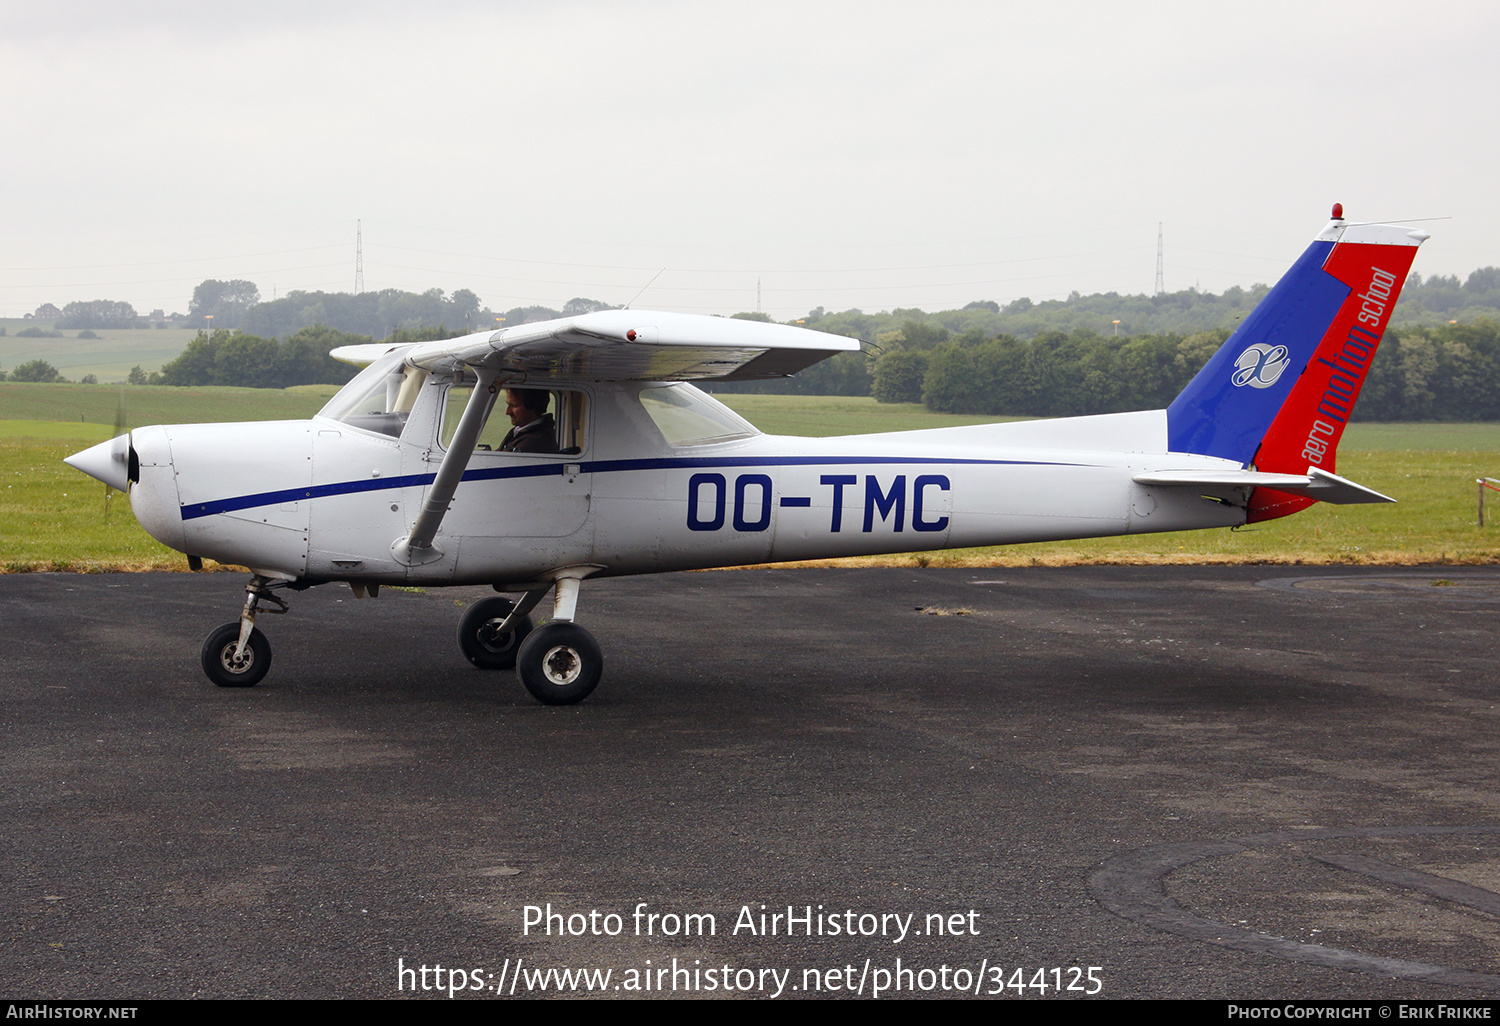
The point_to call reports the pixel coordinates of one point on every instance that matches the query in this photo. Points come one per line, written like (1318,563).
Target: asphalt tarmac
(1246,782)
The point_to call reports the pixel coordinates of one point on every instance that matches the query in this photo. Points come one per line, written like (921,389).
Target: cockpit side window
(563,421)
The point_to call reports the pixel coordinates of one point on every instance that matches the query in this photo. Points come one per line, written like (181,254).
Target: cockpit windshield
(380,397)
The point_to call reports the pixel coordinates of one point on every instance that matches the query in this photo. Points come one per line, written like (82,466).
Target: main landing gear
(560,663)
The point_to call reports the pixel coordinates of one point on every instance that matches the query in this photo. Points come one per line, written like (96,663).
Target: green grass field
(110,356)
(52,517)
(154,404)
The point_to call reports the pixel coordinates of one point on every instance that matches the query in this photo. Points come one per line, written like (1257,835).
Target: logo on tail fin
(1260,365)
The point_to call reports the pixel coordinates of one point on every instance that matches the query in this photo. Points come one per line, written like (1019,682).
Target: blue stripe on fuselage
(195,510)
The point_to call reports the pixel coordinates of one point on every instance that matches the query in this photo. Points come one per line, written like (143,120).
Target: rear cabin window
(686,416)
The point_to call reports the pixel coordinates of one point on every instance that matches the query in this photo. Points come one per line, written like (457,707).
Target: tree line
(1419,373)
(249,361)
(225,357)
(1442,373)
(42,371)
(376,314)
(237,304)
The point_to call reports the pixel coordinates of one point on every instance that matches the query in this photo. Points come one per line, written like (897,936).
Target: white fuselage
(325,499)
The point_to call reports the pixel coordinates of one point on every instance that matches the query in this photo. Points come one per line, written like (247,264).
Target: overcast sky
(840,154)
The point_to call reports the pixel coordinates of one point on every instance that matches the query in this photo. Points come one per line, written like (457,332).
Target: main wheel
(560,663)
(227,671)
(479,637)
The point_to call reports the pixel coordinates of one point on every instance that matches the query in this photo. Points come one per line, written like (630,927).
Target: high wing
(632,345)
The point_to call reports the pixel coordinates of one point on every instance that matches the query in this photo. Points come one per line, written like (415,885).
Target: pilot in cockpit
(535,430)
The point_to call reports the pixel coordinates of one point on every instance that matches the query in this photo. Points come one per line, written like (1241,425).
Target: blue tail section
(1227,408)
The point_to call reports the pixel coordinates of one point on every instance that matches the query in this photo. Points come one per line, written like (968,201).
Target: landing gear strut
(237,655)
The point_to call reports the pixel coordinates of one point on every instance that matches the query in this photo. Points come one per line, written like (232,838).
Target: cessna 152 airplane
(402,479)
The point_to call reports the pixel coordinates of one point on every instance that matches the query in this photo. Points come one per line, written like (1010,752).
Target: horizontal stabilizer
(632,345)
(1315,484)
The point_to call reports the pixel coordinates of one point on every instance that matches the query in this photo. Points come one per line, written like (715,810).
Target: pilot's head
(524,405)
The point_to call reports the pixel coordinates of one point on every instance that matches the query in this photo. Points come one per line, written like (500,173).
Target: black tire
(479,641)
(219,663)
(560,664)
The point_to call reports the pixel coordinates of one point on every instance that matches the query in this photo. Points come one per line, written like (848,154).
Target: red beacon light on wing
(1338,211)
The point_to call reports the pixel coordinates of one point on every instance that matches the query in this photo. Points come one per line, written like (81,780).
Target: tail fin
(1277,396)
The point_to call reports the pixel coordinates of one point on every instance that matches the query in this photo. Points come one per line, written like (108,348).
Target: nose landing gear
(237,655)
(230,666)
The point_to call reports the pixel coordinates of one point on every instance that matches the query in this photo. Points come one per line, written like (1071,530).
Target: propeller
(111,462)
(120,429)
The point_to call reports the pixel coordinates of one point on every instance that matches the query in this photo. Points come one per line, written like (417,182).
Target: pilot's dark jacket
(538,436)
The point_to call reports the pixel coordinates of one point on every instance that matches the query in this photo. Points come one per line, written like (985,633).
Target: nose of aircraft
(108,462)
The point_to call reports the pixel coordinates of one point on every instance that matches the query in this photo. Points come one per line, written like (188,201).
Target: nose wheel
(227,666)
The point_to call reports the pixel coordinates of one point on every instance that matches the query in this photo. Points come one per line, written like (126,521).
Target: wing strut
(417,547)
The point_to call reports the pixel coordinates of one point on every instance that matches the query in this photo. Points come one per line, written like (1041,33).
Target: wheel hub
(240,665)
(562,665)
(492,638)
